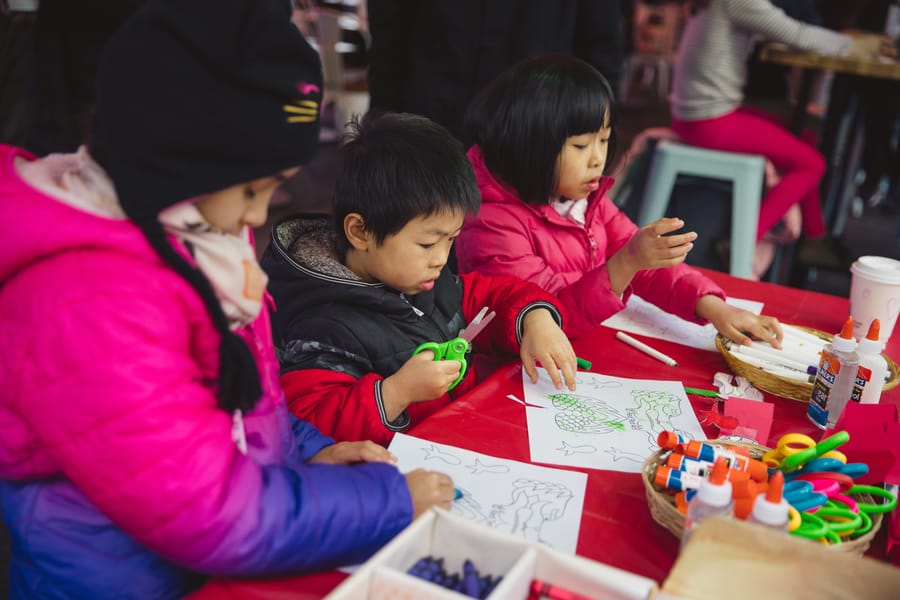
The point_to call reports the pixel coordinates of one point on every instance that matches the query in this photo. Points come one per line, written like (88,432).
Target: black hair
(396,167)
(522,118)
(239,387)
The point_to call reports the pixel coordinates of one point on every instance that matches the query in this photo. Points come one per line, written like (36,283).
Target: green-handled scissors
(457,348)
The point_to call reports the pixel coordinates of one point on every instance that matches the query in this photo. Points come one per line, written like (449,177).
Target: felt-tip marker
(584,364)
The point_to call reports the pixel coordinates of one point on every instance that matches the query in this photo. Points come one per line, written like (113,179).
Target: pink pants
(753,132)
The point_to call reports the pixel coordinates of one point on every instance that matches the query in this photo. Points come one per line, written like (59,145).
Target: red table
(616,527)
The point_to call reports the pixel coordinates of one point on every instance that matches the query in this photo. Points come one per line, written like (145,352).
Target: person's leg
(801,165)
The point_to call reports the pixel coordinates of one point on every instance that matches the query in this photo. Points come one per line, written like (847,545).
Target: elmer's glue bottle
(834,378)
(712,498)
(872,366)
(770,509)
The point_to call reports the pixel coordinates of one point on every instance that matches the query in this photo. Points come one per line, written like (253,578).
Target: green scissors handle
(454,349)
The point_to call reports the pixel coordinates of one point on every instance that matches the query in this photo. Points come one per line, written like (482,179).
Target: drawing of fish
(622,455)
(478,467)
(436,453)
(583,449)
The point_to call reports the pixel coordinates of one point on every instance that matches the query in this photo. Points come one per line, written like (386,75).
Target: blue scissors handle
(454,349)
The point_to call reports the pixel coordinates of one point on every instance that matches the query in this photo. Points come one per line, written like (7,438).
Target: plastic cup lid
(877,268)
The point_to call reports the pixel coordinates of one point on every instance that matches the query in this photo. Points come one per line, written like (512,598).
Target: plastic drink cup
(874,294)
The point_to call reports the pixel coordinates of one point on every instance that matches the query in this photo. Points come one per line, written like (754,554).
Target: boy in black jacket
(357,298)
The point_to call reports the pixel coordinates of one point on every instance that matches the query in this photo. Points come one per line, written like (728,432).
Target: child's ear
(355,231)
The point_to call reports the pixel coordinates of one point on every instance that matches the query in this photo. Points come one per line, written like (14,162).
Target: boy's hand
(345,453)
(649,248)
(736,324)
(420,379)
(544,341)
(429,488)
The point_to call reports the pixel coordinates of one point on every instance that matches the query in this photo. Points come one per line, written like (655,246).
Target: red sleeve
(346,408)
(511,298)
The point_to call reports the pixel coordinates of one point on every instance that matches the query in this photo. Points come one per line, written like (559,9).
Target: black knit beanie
(194,96)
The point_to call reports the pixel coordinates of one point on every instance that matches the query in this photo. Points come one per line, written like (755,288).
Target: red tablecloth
(616,528)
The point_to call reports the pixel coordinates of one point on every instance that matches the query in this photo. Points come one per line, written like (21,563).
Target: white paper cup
(874,294)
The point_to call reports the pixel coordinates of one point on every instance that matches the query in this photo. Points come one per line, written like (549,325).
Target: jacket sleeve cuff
(520,320)
(398,424)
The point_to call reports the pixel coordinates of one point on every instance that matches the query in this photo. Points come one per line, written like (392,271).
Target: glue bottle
(834,378)
(712,498)
(872,366)
(770,509)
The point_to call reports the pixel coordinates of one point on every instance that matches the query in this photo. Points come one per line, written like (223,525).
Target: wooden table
(841,141)
(616,526)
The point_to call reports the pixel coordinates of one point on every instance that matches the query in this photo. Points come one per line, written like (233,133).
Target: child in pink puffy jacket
(543,130)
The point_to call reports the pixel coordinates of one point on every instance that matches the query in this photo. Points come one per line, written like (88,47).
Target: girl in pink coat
(146,445)
(543,131)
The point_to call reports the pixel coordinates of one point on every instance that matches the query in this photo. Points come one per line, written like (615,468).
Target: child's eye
(580,146)
(427,246)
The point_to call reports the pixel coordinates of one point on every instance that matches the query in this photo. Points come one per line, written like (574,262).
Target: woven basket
(662,504)
(782,386)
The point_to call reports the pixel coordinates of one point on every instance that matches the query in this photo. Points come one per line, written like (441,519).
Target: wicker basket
(662,505)
(782,386)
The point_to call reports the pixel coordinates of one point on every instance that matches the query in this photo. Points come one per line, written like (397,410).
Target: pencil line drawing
(582,414)
(618,454)
(568,449)
(653,413)
(512,496)
(435,453)
(532,504)
(479,467)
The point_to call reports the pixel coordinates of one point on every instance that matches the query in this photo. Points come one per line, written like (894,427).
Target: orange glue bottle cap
(844,341)
(872,344)
(667,440)
(771,508)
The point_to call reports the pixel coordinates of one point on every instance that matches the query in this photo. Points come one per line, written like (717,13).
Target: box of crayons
(445,557)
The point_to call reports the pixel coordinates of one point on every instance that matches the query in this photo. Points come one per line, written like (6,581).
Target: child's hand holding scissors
(544,341)
(420,379)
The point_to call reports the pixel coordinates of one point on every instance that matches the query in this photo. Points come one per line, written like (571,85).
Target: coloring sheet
(607,423)
(539,504)
(644,318)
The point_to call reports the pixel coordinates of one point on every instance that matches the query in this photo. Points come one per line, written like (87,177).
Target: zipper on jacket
(593,243)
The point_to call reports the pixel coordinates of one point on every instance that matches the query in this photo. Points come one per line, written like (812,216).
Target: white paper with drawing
(607,423)
(539,504)
(643,318)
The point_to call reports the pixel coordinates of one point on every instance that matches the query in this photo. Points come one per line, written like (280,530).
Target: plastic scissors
(458,347)
(795,449)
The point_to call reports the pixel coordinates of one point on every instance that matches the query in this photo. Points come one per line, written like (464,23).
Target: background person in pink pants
(707,98)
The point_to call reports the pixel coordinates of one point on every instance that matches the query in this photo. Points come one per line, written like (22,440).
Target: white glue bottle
(713,498)
(770,509)
(872,366)
(834,379)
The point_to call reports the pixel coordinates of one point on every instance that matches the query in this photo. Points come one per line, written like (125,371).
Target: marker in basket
(624,337)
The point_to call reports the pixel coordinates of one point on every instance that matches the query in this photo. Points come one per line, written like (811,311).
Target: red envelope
(874,440)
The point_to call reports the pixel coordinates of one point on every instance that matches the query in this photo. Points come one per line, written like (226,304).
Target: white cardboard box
(439,533)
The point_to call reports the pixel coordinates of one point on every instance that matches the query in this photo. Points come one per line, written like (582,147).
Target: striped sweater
(711,67)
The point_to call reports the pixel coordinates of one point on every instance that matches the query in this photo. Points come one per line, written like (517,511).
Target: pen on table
(624,337)
(701,392)
(542,589)
(584,364)
(457,494)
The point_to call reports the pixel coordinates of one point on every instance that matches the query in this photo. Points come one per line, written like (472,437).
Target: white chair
(744,171)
